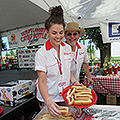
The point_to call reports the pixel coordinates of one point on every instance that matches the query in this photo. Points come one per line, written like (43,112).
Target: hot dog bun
(79,95)
(83,93)
(71,92)
(82,97)
(70,115)
(82,89)
(70,100)
(82,102)
(63,110)
(65,116)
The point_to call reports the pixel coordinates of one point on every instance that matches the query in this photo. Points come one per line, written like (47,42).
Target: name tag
(61,86)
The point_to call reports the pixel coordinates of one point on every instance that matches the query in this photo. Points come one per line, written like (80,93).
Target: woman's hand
(77,83)
(53,108)
(89,81)
(73,80)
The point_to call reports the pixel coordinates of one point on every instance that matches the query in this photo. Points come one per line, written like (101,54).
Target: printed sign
(27,36)
(26,58)
(114,29)
(110,31)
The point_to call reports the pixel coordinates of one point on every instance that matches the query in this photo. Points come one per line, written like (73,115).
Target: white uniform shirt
(46,60)
(80,56)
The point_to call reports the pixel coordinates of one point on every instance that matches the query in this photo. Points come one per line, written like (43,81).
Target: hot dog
(70,100)
(79,95)
(70,115)
(82,97)
(63,110)
(66,115)
(82,89)
(71,92)
(82,102)
(82,93)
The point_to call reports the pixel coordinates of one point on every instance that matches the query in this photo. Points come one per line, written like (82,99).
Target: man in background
(79,51)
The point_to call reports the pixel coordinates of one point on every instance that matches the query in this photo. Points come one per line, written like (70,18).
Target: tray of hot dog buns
(79,96)
(67,113)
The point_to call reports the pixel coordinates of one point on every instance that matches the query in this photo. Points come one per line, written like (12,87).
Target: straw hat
(74,26)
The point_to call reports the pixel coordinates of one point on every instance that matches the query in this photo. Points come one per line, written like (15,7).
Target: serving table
(105,85)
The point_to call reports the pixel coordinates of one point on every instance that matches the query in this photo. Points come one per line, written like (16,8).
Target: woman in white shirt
(52,63)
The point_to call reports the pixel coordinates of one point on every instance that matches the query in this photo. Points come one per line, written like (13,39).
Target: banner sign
(110,31)
(26,58)
(28,36)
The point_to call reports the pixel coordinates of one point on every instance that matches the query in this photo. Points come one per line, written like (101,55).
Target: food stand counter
(105,85)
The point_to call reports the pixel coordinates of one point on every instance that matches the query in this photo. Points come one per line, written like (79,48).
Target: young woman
(52,63)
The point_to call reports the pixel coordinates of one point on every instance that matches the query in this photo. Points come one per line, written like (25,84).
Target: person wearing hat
(79,51)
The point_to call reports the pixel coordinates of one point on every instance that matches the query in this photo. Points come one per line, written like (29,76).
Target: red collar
(48,45)
(78,46)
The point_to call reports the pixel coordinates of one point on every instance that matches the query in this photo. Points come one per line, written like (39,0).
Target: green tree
(90,49)
(96,36)
(11,53)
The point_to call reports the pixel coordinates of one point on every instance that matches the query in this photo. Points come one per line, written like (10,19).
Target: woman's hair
(56,17)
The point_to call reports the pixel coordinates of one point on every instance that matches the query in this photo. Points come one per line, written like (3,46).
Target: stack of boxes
(12,93)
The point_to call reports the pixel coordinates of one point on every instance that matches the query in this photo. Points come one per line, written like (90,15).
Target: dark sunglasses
(69,34)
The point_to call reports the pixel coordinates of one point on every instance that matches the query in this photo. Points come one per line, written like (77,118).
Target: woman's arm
(52,106)
(42,85)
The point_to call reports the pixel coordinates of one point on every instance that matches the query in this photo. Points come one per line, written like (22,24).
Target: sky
(5,40)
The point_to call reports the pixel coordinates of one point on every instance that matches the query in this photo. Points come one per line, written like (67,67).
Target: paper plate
(64,94)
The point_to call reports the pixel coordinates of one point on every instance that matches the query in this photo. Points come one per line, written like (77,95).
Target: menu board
(26,58)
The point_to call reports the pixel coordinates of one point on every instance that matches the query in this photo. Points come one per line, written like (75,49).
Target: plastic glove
(53,108)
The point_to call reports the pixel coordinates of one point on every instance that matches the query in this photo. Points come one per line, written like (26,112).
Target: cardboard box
(12,92)
(111,99)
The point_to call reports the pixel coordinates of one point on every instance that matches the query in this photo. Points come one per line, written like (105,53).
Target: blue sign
(114,29)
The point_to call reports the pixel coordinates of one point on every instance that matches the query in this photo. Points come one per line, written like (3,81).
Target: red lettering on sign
(33,33)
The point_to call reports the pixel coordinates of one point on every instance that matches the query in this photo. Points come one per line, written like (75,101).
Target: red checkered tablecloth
(105,85)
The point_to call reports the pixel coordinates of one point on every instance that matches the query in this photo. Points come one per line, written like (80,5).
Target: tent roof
(19,13)
(87,13)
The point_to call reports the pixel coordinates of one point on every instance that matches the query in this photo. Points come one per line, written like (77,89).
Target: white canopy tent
(17,14)
(90,13)
(87,13)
